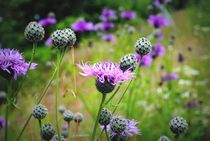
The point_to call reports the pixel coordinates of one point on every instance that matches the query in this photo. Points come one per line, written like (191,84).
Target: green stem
(122,96)
(100,134)
(69,128)
(40,127)
(41,97)
(7,108)
(97,119)
(30,63)
(107,136)
(57,92)
(112,96)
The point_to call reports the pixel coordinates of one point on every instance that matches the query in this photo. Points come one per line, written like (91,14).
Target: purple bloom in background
(12,64)
(146,61)
(108,14)
(159,36)
(81,25)
(109,37)
(104,26)
(169,77)
(48,42)
(158,21)
(129,131)
(2,122)
(157,51)
(158,3)
(128,15)
(194,103)
(106,71)
(47,21)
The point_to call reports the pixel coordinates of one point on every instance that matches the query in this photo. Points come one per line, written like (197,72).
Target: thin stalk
(40,127)
(69,128)
(122,96)
(112,96)
(100,134)
(107,136)
(40,99)
(97,119)
(56,97)
(7,108)
(30,63)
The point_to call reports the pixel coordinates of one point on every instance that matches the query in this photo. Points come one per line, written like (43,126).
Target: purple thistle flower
(81,26)
(130,129)
(169,77)
(2,122)
(157,51)
(12,64)
(109,37)
(158,3)
(48,42)
(108,14)
(158,21)
(159,36)
(106,71)
(128,15)
(146,61)
(47,21)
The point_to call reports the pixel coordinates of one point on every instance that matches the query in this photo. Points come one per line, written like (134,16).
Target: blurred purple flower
(48,42)
(47,21)
(129,131)
(158,21)
(106,71)
(12,64)
(194,103)
(81,26)
(146,61)
(108,14)
(158,3)
(109,37)
(157,51)
(2,122)
(104,26)
(128,15)
(159,36)
(169,77)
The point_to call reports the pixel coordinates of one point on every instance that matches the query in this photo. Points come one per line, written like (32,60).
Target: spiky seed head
(178,125)
(34,32)
(56,138)
(68,116)
(3,97)
(59,39)
(105,87)
(39,111)
(105,117)
(78,117)
(164,138)
(47,132)
(61,109)
(118,124)
(128,62)
(143,46)
(71,36)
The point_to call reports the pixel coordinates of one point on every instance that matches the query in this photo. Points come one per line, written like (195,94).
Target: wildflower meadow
(114,70)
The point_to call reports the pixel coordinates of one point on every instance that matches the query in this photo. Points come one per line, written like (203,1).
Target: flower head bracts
(12,62)
(106,71)
(129,131)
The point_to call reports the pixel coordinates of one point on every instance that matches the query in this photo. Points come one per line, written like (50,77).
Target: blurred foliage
(15,14)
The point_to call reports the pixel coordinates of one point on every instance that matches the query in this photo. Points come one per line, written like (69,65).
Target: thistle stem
(57,92)
(41,97)
(112,96)
(30,63)
(100,134)
(107,136)
(97,119)
(40,127)
(7,108)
